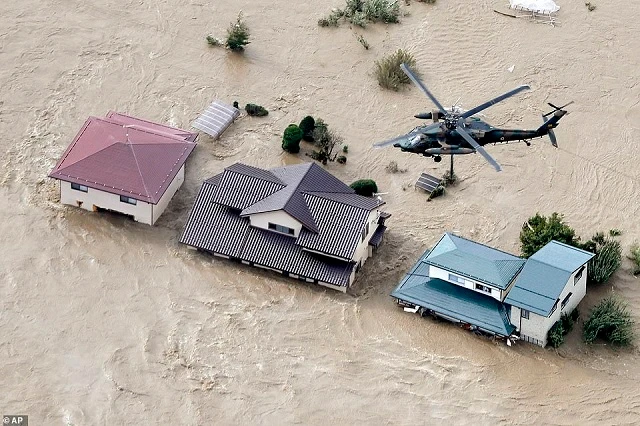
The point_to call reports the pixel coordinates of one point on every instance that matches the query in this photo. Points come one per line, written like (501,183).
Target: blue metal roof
(475,261)
(453,301)
(544,276)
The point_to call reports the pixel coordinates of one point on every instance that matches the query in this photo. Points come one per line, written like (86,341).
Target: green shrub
(635,257)
(307,125)
(575,314)
(615,232)
(437,192)
(256,110)
(611,321)
(608,256)
(567,322)
(539,230)
(238,35)
(449,179)
(388,72)
(555,336)
(291,139)
(387,11)
(365,187)
(345,149)
(363,41)
(235,105)
(213,41)
(341,159)
(392,167)
(361,12)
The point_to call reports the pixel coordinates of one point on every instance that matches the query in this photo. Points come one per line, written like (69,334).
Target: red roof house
(124,164)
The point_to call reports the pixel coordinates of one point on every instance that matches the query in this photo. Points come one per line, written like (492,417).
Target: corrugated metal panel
(216,118)
(475,261)
(340,227)
(211,227)
(427,182)
(454,301)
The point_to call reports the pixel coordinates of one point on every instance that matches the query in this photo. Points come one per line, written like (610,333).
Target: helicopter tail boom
(551,123)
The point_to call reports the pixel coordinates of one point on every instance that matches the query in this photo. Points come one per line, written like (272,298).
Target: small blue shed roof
(475,261)
(544,276)
(453,301)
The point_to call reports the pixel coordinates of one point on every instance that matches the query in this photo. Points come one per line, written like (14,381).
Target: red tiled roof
(126,156)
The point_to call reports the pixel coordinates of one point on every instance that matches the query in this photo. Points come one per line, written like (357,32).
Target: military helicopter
(460,132)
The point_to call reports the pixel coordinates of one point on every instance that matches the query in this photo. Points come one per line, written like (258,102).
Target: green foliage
(449,179)
(590,7)
(635,257)
(555,336)
(608,256)
(307,125)
(575,314)
(611,321)
(567,322)
(539,230)
(213,41)
(345,149)
(437,192)
(235,105)
(389,73)
(362,12)
(427,1)
(325,141)
(256,110)
(238,35)
(291,139)
(615,232)
(392,167)
(365,187)
(341,159)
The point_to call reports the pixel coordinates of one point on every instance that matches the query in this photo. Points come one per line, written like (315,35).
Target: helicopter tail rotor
(555,108)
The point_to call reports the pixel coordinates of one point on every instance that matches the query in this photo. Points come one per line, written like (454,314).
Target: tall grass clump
(607,259)
(388,71)
(635,258)
(611,321)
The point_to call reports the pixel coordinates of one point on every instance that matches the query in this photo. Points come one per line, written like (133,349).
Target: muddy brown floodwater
(104,321)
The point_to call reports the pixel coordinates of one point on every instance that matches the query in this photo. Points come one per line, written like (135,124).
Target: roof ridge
(482,244)
(135,158)
(317,194)
(560,243)
(275,180)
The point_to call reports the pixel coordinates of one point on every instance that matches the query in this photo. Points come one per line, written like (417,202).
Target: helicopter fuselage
(445,141)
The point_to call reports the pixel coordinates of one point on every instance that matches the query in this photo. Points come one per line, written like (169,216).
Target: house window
(565,301)
(483,288)
(128,200)
(555,305)
(524,313)
(365,231)
(456,279)
(578,275)
(78,187)
(281,229)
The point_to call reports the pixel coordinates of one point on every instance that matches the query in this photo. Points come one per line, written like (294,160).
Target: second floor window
(79,187)
(281,229)
(483,288)
(524,314)
(578,275)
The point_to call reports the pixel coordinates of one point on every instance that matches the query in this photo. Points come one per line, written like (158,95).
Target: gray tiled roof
(212,227)
(452,301)
(475,261)
(339,227)
(544,276)
(239,189)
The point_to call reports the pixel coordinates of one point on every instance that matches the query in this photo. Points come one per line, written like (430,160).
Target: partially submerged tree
(607,259)
(307,125)
(364,187)
(326,141)
(238,35)
(539,230)
(611,321)
(256,110)
(362,12)
(388,72)
(291,139)
(635,258)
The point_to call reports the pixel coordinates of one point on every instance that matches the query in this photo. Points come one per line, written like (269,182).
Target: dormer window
(282,229)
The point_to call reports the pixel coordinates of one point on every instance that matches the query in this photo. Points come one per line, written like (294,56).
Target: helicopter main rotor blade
(422,87)
(408,136)
(494,101)
(466,136)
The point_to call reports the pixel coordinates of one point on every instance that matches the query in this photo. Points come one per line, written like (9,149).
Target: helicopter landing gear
(527,143)
(437,158)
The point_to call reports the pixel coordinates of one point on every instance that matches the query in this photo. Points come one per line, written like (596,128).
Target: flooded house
(493,291)
(297,220)
(124,164)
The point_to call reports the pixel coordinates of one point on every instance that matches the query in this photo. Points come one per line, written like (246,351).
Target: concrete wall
(159,208)
(538,326)
(93,198)
(435,272)
(278,217)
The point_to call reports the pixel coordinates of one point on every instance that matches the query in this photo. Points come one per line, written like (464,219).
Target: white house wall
(435,272)
(362,250)
(141,212)
(278,217)
(538,326)
(159,208)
